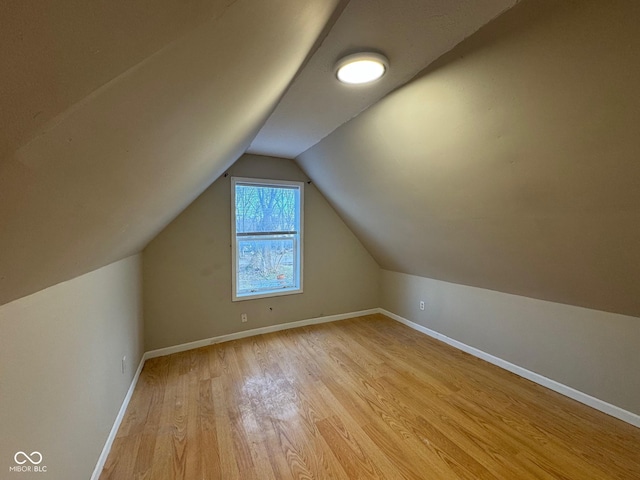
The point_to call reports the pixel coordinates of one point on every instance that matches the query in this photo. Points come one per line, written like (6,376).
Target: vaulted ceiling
(508,163)
(412,33)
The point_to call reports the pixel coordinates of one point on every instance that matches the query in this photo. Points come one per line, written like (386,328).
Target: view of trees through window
(267,228)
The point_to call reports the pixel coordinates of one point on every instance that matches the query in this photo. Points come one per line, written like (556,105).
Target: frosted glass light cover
(361,68)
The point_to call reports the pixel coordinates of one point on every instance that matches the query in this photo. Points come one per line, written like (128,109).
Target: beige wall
(61,384)
(592,351)
(187,268)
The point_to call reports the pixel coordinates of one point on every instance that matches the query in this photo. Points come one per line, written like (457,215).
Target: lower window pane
(266,265)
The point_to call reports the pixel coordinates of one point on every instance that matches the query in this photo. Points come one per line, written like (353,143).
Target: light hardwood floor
(365,398)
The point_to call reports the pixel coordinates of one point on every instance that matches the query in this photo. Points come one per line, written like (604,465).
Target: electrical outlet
(421,304)
(243,317)
(124,363)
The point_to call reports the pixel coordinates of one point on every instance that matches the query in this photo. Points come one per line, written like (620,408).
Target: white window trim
(234,238)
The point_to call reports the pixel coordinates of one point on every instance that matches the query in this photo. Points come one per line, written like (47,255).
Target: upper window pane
(266,208)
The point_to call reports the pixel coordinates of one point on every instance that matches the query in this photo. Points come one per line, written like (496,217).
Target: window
(266,231)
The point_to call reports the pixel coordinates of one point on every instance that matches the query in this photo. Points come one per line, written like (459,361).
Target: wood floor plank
(467,431)
(207,439)
(293,416)
(364,398)
(227,452)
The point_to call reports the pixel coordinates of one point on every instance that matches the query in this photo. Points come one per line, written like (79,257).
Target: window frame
(235,261)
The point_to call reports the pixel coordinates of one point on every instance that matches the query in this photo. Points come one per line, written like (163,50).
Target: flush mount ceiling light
(361,68)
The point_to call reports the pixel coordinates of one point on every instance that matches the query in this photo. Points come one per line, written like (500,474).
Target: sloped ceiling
(116,115)
(511,164)
(411,33)
(55,53)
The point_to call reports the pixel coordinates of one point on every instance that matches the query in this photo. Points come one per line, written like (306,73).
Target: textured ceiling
(411,33)
(509,164)
(116,115)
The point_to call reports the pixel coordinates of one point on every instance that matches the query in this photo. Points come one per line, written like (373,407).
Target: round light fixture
(361,68)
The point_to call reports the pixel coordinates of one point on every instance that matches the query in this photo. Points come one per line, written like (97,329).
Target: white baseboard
(577,395)
(256,331)
(116,424)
